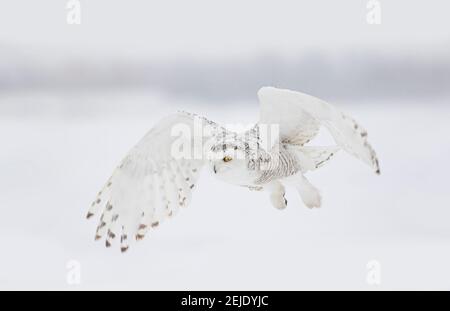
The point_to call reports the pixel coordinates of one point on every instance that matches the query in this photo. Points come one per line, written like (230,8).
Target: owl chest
(281,164)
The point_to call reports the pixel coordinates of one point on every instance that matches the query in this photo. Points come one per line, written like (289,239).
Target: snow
(228,238)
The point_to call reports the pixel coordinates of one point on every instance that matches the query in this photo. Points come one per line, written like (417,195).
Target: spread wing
(153,181)
(300,116)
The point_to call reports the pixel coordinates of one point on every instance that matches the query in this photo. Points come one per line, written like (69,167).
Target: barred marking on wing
(357,142)
(167,191)
(123,240)
(147,187)
(96,204)
(297,112)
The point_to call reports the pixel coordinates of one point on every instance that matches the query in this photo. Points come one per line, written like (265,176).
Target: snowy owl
(158,175)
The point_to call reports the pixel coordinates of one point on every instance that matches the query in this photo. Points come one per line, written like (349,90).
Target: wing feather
(151,183)
(300,115)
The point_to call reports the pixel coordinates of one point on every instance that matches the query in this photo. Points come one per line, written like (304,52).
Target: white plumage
(156,178)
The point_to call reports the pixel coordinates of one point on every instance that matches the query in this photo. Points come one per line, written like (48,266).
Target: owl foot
(309,194)
(312,199)
(278,201)
(277,195)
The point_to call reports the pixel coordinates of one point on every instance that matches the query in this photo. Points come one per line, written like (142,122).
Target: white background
(58,147)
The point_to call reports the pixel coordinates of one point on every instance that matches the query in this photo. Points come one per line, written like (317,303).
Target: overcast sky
(217,29)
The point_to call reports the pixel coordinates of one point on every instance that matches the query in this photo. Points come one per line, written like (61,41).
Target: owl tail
(313,157)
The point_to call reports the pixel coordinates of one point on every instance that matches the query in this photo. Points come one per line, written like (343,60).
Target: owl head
(234,162)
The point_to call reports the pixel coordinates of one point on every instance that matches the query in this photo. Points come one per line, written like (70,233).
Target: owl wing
(153,181)
(300,116)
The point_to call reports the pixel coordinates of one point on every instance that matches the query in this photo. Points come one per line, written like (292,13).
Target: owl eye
(227,159)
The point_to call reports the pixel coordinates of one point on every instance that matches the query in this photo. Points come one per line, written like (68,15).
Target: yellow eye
(227,159)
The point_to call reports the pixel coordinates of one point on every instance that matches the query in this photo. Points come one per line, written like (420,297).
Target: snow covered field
(53,164)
